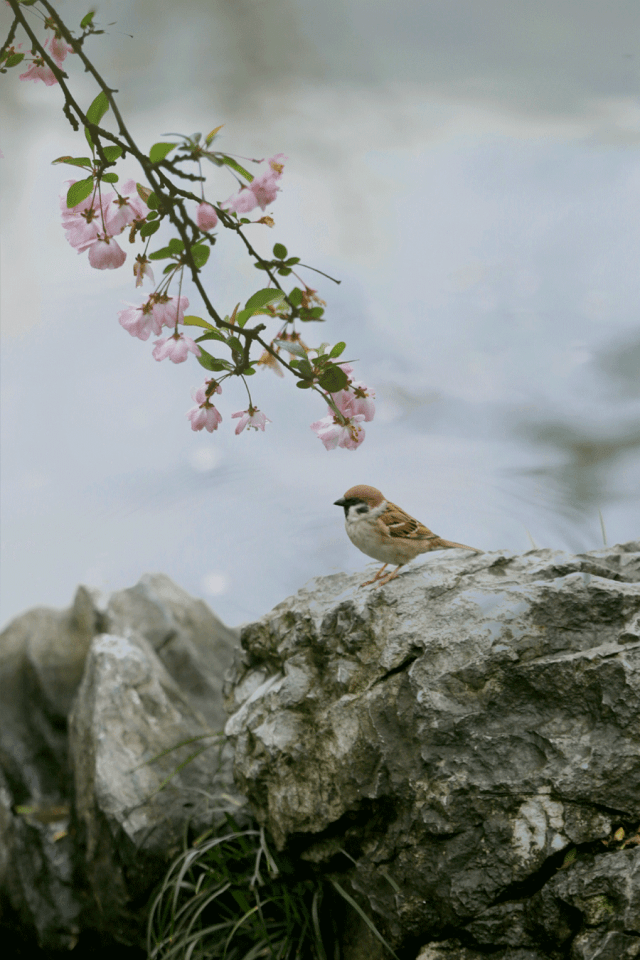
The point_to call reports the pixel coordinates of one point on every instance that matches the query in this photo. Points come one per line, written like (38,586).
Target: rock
(454,950)
(598,897)
(69,870)
(437,743)
(42,658)
(127,715)
(193,644)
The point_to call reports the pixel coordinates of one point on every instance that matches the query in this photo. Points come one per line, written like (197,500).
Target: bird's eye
(363,508)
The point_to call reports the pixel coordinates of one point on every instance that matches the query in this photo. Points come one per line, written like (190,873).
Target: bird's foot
(388,577)
(377,576)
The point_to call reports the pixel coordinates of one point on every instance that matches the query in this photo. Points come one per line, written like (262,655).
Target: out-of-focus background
(470,171)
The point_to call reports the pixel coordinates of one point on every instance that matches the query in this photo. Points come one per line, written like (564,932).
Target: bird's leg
(373,580)
(389,576)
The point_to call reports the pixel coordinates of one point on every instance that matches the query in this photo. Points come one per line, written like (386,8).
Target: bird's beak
(339,503)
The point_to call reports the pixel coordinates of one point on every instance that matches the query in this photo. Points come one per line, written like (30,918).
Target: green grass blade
(356,906)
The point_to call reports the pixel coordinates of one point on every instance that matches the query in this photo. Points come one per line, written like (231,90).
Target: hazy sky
(471,174)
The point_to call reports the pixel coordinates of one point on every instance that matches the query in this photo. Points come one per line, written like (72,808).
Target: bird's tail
(447,544)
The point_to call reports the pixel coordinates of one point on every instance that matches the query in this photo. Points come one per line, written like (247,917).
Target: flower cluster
(261,191)
(158,311)
(94,223)
(39,70)
(205,416)
(343,426)
(95,214)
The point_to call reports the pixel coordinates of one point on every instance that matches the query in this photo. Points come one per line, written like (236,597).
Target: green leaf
(212,335)
(197,322)
(303,384)
(291,262)
(112,153)
(243,316)
(333,379)
(338,349)
(14,60)
(284,271)
(152,215)
(161,254)
(88,136)
(98,108)
(295,297)
(314,314)
(169,267)
(306,369)
(279,251)
(148,229)
(110,177)
(160,150)
(211,136)
(200,254)
(176,245)
(235,344)
(86,20)
(262,297)
(212,363)
(230,162)
(74,161)
(292,347)
(79,191)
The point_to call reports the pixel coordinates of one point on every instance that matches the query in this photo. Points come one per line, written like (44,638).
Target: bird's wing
(400,525)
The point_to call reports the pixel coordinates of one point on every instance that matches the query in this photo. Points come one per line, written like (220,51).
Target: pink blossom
(83,232)
(142,269)
(334,433)
(169,311)
(206,216)
(265,189)
(140,321)
(39,71)
(251,418)
(357,398)
(106,254)
(261,191)
(126,208)
(176,347)
(157,311)
(205,415)
(83,222)
(59,49)
(243,202)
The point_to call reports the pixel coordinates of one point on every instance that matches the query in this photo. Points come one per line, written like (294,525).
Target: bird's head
(362,498)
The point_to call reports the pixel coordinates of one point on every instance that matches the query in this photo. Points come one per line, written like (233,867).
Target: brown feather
(400,524)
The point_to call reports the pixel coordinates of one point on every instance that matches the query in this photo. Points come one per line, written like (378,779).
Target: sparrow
(385,532)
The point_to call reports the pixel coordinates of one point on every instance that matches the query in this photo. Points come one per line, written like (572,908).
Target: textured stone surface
(127,713)
(64,870)
(192,643)
(450,732)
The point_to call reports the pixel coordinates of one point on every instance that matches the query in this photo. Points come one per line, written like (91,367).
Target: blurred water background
(471,174)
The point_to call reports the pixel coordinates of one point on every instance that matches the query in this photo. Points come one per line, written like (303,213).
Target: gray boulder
(438,744)
(87,824)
